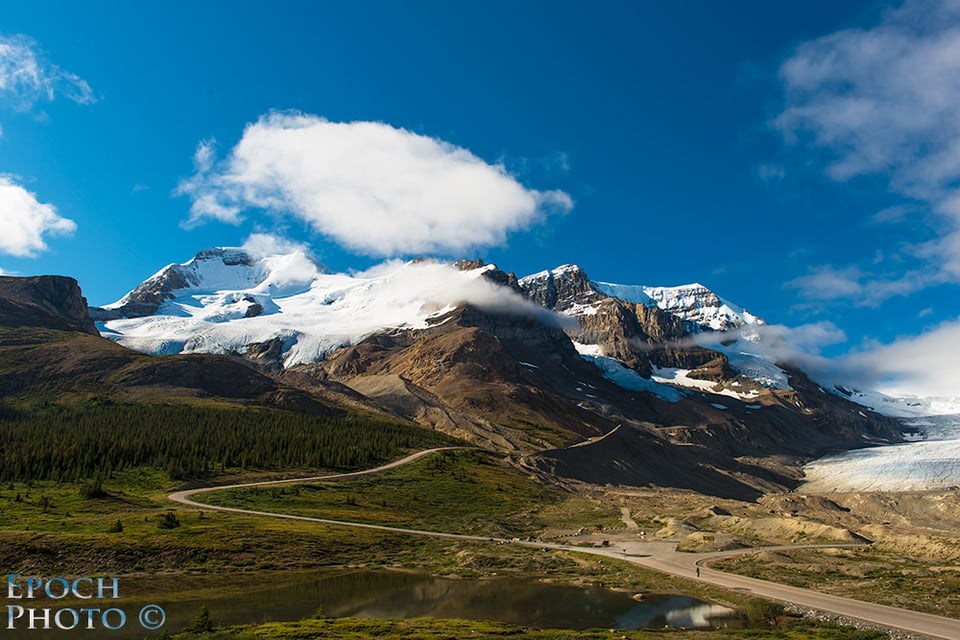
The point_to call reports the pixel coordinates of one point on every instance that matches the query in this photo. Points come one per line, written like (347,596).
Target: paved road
(186,497)
(659,556)
(685,564)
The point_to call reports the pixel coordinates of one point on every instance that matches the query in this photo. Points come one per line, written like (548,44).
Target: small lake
(367,593)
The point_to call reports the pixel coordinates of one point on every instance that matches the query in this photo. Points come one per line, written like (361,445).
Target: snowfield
(902,407)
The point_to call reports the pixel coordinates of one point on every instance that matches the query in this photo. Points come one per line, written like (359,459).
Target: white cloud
(268,244)
(436,285)
(829,283)
(26,78)
(854,286)
(921,365)
(371,187)
(26,221)
(911,366)
(883,102)
(894,214)
(799,346)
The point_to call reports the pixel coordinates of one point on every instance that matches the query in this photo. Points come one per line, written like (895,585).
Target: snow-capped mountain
(693,303)
(656,331)
(525,366)
(226,299)
(654,339)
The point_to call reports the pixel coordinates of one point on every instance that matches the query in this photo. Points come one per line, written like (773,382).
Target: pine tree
(200,624)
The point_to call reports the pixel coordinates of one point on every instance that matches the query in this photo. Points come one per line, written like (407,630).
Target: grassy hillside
(455,491)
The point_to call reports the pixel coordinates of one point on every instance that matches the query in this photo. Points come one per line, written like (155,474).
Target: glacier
(931,464)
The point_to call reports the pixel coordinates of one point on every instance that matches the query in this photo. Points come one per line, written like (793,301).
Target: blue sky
(798,158)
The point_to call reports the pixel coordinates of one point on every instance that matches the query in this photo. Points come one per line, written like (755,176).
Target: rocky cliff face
(640,334)
(49,301)
(565,289)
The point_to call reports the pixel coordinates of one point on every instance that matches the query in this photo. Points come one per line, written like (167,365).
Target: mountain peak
(692,302)
(230,256)
(568,289)
(216,269)
(558,272)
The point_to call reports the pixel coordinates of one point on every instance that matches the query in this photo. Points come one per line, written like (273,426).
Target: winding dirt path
(627,520)
(659,556)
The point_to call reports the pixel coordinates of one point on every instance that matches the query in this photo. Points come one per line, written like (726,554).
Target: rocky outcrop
(491,273)
(267,354)
(562,289)
(50,301)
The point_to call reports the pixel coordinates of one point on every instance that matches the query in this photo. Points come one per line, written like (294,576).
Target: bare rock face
(561,289)
(268,354)
(254,309)
(147,298)
(640,335)
(501,381)
(50,301)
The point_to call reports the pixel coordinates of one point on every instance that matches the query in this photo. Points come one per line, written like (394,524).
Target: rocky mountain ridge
(526,366)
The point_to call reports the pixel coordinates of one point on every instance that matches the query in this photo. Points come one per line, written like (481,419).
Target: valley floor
(659,556)
(48,527)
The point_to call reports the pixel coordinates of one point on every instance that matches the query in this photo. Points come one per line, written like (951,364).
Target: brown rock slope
(516,384)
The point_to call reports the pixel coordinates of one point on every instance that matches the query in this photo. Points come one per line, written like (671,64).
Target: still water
(393,594)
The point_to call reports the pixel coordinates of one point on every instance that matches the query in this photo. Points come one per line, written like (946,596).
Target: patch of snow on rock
(681,378)
(623,376)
